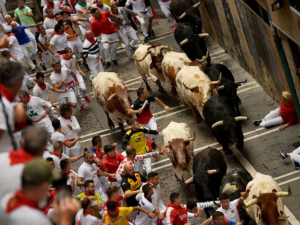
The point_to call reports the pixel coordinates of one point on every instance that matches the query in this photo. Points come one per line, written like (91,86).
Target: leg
(144,24)
(132,35)
(160,88)
(75,150)
(166,10)
(110,122)
(147,163)
(125,40)
(196,114)
(272,114)
(272,122)
(152,125)
(174,91)
(150,14)
(72,98)
(32,49)
(121,126)
(114,46)
(78,97)
(27,57)
(106,47)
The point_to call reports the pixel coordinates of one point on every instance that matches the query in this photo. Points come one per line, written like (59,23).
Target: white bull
(265,203)
(180,148)
(148,60)
(112,95)
(195,88)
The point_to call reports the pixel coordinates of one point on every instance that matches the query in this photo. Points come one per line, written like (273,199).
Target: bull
(172,64)
(233,184)
(228,86)
(186,11)
(195,88)
(113,97)
(148,60)
(209,168)
(191,41)
(265,203)
(179,147)
(226,126)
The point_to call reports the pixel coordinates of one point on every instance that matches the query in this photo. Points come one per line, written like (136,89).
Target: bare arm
(167,108)
(50,48)
(75,158)
(98,206)
(132,112)
(74,77)
(58,86)
(70,144)
(12,55)
(80,181)
(32,25)
(129,194)
(59,91)
(151,215)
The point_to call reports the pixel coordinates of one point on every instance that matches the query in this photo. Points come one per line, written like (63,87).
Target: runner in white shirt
(63,78)
(195,209)
(89,171)
(72,176)
(69,61)
(72,128)
(101,6)
(139,7)
(26,80)
(82,7)
(165,8)
(54,5)
(49,22)
(15,49)
(87,217)
(34,143)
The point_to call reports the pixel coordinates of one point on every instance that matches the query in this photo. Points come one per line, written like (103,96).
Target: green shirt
(25,20)
(99,199)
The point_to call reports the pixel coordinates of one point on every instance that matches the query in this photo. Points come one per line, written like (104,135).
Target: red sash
(19,200)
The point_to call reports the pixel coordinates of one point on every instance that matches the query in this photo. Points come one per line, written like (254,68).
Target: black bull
(208,185)
(233,184)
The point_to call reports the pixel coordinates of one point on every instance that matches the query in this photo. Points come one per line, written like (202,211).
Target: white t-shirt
(57,136)
(66,63)
(43,94)
(57,160)
(89,220)
(232,212)
(49,33)
(78,7)
(5,140)
(46,154)
(141,217)
(76,129)
(137,5)
(49,23)
(86,171)
(34,108)
(58,77)
(15,48)
(24,215)
(55,9)
(59,42)
(77,190)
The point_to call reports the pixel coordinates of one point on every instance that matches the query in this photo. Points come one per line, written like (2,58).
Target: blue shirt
(229,222)
(21,34)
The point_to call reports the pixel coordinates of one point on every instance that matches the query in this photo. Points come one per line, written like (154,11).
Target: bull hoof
(162,91)
(111,125)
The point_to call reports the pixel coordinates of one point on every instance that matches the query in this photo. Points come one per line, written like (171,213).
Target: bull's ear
(254,196)
(195,90)
(152,65)
(274,191)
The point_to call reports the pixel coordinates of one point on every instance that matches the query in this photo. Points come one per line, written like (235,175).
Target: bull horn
(218,81)
(238,118)
(204,35)
(185,41)
(242,193)
(197,4)
(250,203)
(135,89)
(166,146)
(221,87)
(219,123)
(167,48)
(189,88)
(190,180)
(284,193)
(282,218)
(111,97)
(240,82)
(191,139)
(204,58)
(104,98)
(182,16)
(141,59)
(212,171)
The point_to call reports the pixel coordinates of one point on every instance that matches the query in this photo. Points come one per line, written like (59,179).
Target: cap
(38,171)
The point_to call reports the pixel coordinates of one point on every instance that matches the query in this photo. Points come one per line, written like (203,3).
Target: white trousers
(110,51)
(95,66)
(149,11)
(46,124)
(147,163)
(76,45)
(295,157)
(29,56)
(152,125)
(47,58)
(83,30)
(272,119)
(104,183)
(166,10)
(144,23)
(68,97)
(128,30)
(102,55)
(31,34)
(74,151)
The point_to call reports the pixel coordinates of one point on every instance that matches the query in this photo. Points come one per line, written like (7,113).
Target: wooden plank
(262,4)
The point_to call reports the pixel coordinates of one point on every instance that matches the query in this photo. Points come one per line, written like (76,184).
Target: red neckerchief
(112,215)
(19,200)
(67,118)
(56,33)
(55,153)
(150,184)
(42,86)
(51,17)
(92,40)
(50,5)
(52,194)
(65,172)
(6,93)
(11,34)
(19,156)
(226,221)
(100,6)
(28,99)
(48,207)
(65,57)
(174,205)
(88,213)
(87,194)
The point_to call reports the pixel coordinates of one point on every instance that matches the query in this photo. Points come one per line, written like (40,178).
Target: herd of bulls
(211,94)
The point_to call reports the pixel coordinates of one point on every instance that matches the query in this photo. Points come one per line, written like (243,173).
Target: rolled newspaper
(93,175)
(145,103)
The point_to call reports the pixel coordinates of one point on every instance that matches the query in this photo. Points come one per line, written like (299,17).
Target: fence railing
(295,6)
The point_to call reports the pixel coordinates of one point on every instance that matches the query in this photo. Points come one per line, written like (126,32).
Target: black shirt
(146,115)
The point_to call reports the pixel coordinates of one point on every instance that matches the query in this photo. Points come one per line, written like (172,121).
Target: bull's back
(213,156)
(176,130)
(214,72)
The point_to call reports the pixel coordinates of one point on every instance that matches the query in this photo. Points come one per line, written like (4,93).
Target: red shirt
(118,202)
(288,113)
(176,214)
(111,164)
(103,25)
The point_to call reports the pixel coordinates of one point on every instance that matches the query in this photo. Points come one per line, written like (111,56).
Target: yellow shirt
(122,217)
(99,200)
(106,2)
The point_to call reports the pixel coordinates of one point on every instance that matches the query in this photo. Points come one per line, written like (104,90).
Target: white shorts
(149,11)
(76,45)
(69,96)
(46,124)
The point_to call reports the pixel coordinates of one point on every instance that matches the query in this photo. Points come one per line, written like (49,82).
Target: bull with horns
(148,60)
(112,95)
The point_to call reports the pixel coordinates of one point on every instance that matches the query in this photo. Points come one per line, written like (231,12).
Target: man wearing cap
(13,162)
(25,205)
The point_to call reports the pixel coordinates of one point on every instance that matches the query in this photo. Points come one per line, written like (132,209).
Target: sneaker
(257,122)
(122,45)
(133,48)
(283,154)
(115,62)
(152,33)
(34,62)
(107,65)
(43,66)
(82,107)
(146,39)
(87,98)
(33,70)
(153,145)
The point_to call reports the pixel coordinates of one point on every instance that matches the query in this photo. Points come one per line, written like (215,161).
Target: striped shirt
(91,51)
